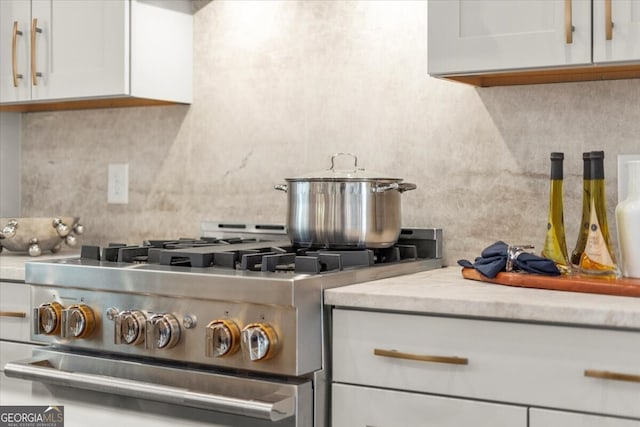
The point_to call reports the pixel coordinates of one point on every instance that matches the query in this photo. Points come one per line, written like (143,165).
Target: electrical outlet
(118,185)
(623,174)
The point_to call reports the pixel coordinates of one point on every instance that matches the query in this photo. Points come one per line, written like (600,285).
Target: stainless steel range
(232,323)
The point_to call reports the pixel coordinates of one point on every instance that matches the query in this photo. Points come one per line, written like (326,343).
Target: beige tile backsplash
(281,85)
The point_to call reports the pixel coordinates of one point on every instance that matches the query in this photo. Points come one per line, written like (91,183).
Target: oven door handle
(39,369)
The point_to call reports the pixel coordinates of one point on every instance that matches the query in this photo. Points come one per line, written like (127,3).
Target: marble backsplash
(281,85)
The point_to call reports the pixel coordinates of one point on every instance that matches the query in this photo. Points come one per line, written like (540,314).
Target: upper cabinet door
(491,35)
(15,17)
(81,48)
(616,30)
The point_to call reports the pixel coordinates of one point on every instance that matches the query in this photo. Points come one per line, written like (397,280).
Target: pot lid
(353,173)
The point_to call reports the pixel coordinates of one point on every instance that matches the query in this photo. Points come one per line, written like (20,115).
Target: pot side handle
(402,187)
(405,186)
(281,187)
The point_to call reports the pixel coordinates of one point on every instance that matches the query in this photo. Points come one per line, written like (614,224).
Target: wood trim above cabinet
(82,104)
(540,76)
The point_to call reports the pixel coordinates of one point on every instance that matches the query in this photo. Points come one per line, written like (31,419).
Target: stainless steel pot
(344,209)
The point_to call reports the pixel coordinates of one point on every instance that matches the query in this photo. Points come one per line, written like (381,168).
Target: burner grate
(355,258)
(200,256)
(256,256)
(133,254)
(318,263)
(253,261)
(225,260)
(278,262)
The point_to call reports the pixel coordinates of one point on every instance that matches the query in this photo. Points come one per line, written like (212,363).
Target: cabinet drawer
(537,365)
(354,406)
(548,418)
(15,313)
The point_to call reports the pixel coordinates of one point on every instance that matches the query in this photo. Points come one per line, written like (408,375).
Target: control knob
(162,331)
(78,321)
(223,338)
(259,341)
(47,318)
(129,327)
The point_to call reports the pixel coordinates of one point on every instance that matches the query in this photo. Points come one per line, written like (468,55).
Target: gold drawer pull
(14,43)
(568,22)
(608,21)
(12,314)
(606,375)
(34,73)
(452,360)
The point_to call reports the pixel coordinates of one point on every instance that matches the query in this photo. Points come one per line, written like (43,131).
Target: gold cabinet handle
(452,360)
(13,314)
(608,21)
(14,48)
(606,375)
(568,22)
(34,30)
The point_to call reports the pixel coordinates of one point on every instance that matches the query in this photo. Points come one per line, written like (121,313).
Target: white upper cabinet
(70,50)
(504,42)
(491,35)
(616,30)
(15,24)
(81,51)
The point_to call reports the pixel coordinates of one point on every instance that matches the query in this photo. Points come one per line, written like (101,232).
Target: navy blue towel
(493,260)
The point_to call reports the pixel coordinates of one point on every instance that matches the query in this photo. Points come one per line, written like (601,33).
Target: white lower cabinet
(438,371)
(355,406)
(549,418)
(15,313)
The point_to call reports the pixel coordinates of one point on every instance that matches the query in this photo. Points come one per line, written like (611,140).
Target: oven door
(186,394)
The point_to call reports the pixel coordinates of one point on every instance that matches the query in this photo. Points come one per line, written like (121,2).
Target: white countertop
(12,263)
(444,291)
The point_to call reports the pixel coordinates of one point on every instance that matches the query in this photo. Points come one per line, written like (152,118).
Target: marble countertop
(12,263)
(445,292)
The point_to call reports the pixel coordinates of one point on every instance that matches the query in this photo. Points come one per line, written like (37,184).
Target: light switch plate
(623,174)
(118,185)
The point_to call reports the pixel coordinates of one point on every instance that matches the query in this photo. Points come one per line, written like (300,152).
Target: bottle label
(596,248)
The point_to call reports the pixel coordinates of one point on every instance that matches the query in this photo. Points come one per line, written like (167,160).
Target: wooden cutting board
(595,285)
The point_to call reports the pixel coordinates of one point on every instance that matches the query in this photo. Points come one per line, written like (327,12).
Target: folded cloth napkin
(502,257)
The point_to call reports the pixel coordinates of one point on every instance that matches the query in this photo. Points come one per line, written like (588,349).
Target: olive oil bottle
(598,257)
(555,246)
(586,209)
